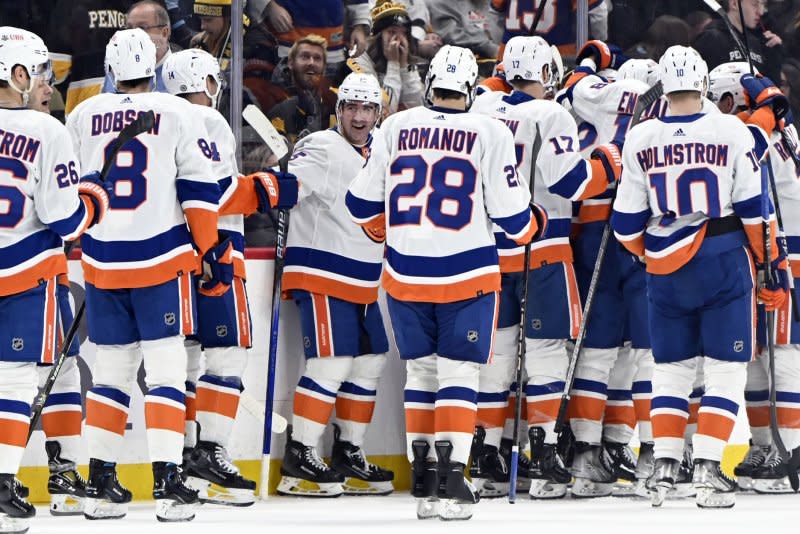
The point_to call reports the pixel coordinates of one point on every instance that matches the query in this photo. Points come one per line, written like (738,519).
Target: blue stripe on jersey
(114,394)
(517,97)
(433,267)
(554,228)
(63,398)
(167,393)
(28,247)
(569,184)
(333,263)
(457,393)
(761,141)
(750,208)
(515,224)
(69,225)
(658,243)
(630,224)
(423,397)
(362,209)
(237,239)
(721,403)
(682,119)
(111,251)
(793,242)
(670,402)
(15,406)
(188,190)
(307,383)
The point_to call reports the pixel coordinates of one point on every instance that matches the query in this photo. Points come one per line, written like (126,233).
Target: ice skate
(15,511)
(106,498)
(772,475)
(523,465)
(174,500)
(549,477)
(593,472)
(303,473)
(663,479)
(217,480)
(684,485)
(456,494)
(361,477)
(623,460)
(755,457)
(488,470)
(66,486)
(714,488)
(424,481)
(645,465)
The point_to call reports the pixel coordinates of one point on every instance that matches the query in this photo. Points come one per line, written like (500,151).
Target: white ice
(754,514)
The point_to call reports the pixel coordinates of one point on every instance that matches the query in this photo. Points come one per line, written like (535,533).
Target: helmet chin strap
(26,94)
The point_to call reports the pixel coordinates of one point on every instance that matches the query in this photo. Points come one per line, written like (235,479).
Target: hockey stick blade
(646,100)
(145,121)
(256,409)
(264,128)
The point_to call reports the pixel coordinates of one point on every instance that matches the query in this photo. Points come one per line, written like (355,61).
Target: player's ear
(726,103)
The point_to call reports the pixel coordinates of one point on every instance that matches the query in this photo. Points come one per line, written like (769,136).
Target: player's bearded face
(357,120)
(307,66)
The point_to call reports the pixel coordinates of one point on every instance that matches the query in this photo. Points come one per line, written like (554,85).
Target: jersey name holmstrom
(657,157)
(450,139)
(116,121)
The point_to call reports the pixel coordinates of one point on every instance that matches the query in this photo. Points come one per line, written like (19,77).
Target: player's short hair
(684,94)
(162,17)
(130,84)
(313,40)
(447,94)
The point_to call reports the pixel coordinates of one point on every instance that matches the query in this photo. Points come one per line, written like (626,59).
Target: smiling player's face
(357,121)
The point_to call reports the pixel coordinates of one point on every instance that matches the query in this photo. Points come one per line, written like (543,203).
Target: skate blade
(238,497)
(684,490)
(772,486)
(427,508)
(13,525)
(103,509)
(623,489)
(744,483)
(583,488)
(454,510)
(658,495)
(297,487)
(545,489)
(356,486)
(200,485)
(170,511)
(710,498)
(523,484)
(64,504)
(640,490)
(490,489)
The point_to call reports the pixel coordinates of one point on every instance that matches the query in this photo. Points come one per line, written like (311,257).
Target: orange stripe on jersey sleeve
(144,277)
(598,183)
(441,293)
(243,201)
(203,226)
(594,212)
(539,257)
(755,236)
(635,246)
(574,78)
(326,286)
(678,258)
(24,280)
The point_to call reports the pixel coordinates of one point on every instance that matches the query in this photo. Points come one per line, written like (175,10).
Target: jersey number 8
(130,183)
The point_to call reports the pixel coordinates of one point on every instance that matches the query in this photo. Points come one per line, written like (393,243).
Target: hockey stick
(645,101)
(537,16)
(521,341)
(276,143)
(143,122)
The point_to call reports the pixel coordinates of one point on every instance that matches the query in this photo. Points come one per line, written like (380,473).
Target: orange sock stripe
(312,409)
(694,408)
(357,411)
(788,417)
(14,433)
(62,424)
(758,415)
(163,417)
(715,425)
(191,408)
(668,426)
(455,419)
(620,415)
(543,411)
(586,408)
(420,421)
(107,417)
(491,417)
(642,409)
(214,401)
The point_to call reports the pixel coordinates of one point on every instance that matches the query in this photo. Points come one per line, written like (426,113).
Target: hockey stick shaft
(538,16)
(782,238)
(521,340)
(143,122)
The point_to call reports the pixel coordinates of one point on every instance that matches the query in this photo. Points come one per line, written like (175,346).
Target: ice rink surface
(754,514)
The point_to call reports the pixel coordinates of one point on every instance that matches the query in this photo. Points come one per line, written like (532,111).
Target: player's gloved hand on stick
(275,190)
(761,91)
(98,192)
(217,269)
(604,56)
(775,292)
(538,225)
(610,155)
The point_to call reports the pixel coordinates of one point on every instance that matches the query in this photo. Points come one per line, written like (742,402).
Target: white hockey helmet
(130,55)
(725,79)
(453,68)
(187,72)
(21,47)
(612,75)
(556,69)
(360,87)
(644,70)
(528,58)
(683,69)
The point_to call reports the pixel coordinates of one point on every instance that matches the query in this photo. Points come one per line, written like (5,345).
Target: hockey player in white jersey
(762,468)
(553,304)
(701,250)
(45,202)
(139,266)
(224,331)
(332,273)
(435,180)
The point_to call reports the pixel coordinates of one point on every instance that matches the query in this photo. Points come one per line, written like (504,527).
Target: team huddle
(485,216)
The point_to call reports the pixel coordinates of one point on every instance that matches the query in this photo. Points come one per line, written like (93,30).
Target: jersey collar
(446,110)
(517,97)
(682,118)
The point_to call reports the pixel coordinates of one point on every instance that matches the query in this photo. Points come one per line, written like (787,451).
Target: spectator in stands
(464,24)
(181,33)
(390,55)
(790,86)
(697,21)
(665,31)
(311,106)
(793,37)
(215,23)
(291,19)
(152,17)
(717,46)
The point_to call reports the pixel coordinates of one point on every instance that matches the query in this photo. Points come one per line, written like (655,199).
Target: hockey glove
(760,92)
(98,192)
(275,190)
(376,228)
(604,56)
(774,293)
(217,269)
(609,155)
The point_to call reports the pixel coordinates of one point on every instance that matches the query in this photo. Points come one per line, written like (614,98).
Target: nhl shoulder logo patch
(169,319)
(536,324)
(17,344)
(472,336)
(738,346)
(222,330)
